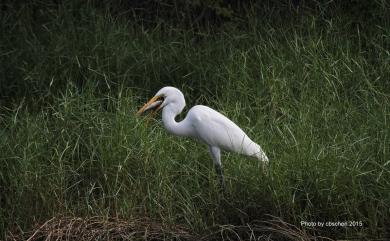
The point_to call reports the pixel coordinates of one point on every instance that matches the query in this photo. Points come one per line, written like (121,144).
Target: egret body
(204,124)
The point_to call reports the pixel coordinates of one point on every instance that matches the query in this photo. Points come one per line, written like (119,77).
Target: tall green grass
(313,93)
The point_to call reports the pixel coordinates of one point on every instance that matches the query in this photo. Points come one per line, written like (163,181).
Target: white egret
(204,124)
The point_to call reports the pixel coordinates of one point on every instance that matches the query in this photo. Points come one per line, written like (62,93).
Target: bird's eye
(161,98)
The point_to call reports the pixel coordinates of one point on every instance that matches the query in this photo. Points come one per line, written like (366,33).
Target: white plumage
(204,124)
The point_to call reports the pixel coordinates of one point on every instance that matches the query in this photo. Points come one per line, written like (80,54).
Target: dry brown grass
(102,228)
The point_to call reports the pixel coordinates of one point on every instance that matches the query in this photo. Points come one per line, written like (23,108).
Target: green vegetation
(312,91)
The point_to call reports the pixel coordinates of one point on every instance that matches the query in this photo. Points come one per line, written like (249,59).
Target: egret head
(167,96)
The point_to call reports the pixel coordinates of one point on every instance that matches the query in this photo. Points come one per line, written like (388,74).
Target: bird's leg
(216,154)
(218,169)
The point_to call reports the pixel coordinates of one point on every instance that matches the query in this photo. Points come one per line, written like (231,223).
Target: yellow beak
(149,105)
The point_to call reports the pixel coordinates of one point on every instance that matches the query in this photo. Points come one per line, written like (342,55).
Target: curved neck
(168,117)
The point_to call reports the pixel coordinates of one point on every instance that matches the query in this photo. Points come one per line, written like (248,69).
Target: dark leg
(216,154)
(218,169)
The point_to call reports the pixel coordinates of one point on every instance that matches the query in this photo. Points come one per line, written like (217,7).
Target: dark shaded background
(196,16)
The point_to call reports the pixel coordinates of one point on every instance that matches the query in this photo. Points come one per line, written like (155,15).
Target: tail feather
(253,149)
(260,154)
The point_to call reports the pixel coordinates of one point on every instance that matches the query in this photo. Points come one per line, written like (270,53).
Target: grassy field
(313,92)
